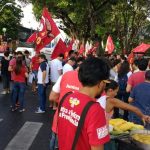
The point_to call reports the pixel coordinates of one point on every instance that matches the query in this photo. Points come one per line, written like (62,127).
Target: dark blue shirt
(141,96)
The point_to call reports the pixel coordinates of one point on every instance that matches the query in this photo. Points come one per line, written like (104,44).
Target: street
(26,130)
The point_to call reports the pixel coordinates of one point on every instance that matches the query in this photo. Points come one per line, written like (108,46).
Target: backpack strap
(81,123)
(62,100)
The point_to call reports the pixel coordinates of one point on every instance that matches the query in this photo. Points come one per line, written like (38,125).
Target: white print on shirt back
(102,132)
(69,115)
(72,87)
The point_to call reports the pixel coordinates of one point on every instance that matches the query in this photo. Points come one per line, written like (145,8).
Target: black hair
(92,71)
(42,56)
(19,53)
(147,75)
(18,65)
(136,62)
(80,59)
(142,64)
(112,85)
(70,52)
(61,55)
(115,62)
(6,53)
(123,57)
(26,52)
(72,59)
(124,69)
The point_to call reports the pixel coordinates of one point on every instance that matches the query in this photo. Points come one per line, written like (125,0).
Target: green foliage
(10,18)
(87,18)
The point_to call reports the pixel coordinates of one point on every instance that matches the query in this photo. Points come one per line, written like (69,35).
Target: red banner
(109,45)
(60,48)
(47,31)
(141,48)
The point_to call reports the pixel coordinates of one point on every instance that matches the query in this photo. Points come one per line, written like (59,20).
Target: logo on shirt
(74,101)
(102,132)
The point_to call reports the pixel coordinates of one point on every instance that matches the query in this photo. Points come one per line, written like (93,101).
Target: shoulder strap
(81,123)
(62,100)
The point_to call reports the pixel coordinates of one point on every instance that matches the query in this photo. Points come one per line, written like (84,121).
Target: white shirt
(55,66)
(56,87)
(40,75)
(67,67)
(102,101)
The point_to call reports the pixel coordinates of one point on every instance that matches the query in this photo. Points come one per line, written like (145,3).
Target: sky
(28,20)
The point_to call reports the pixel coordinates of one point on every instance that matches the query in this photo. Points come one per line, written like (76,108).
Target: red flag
(60,48)
(131,58)
(47,31)
(141,48)
(32,38)
(93,49)
(69,47)
(109,45)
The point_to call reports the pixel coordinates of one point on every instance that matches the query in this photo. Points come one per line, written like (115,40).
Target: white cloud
(28,20)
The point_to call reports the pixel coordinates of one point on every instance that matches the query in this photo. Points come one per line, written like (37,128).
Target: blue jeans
(42,96)
(53,141)
(18,91)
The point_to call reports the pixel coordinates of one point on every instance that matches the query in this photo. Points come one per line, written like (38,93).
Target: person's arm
(128,88)
(119,104)
(53,96)
(130,99)
(43,76)
(100,147)
(55,92)
(60,72)
(26,75)
(10,68)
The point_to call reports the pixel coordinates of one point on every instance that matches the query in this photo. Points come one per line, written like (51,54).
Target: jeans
(53,141)
(18,90)
(42,96)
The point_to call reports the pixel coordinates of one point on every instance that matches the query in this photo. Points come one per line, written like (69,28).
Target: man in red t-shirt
(92,74)
(137,77)
(34,65)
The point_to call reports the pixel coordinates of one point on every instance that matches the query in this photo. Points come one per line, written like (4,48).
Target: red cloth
(94,131)
(60,48)
(41,37)
(109,45)
(131,58)
(20,77)
(141,48)
(32,38)
(67,84)
(136,78)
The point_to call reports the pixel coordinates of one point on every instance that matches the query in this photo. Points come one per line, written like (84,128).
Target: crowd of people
(86,93)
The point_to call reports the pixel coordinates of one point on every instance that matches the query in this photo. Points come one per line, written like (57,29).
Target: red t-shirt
(35,63)
(94,131)
(136,78)
(21,76)
(69,82)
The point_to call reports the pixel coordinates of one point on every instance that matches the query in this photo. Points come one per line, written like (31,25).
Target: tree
(10,18)
(86,19)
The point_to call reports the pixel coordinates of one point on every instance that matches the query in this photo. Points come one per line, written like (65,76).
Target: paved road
(27,130)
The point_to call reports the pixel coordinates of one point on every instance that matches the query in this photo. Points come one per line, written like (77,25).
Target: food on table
(144,138)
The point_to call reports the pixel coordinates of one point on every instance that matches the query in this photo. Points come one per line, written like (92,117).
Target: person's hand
(145,119)
(44,84)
